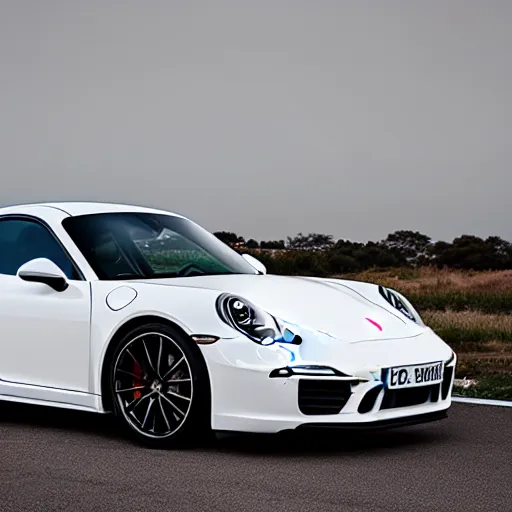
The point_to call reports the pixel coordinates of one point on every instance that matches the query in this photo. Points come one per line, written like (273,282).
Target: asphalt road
(53,460)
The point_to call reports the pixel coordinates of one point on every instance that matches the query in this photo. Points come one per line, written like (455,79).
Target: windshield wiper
(165,275)
(128,276)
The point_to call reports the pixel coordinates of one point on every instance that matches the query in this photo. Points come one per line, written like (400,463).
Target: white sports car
(141,312)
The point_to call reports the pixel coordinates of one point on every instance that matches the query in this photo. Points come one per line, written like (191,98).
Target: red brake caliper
(137,370)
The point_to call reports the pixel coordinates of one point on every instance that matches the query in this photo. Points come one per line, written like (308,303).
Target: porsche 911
(144,314)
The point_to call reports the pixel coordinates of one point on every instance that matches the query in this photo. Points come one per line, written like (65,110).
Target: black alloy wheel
(159,387)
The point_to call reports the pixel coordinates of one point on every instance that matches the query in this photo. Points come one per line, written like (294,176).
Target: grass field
(472,312)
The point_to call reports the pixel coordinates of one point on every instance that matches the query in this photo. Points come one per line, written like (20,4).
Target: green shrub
(498,387)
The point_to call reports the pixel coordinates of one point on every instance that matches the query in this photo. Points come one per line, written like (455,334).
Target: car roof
(76,208)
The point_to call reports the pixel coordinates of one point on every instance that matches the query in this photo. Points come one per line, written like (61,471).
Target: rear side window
(24,240)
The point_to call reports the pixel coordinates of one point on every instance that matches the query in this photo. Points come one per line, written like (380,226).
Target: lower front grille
(395,398)
(323,396)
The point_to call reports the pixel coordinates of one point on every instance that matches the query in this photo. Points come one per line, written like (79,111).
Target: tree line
(319,254)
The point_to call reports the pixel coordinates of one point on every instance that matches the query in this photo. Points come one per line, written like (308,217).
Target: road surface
(54,460)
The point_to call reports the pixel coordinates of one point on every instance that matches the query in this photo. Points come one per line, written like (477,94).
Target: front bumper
(245,398)
(404,421)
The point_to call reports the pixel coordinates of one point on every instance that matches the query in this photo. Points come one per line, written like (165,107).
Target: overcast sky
(264,117)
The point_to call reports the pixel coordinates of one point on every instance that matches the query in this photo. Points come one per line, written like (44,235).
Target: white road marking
(482,401)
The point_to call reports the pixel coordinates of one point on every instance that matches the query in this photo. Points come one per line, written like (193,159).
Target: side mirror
(255,263)
(42,270)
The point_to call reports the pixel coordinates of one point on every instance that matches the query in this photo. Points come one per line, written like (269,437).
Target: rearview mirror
(255,263)
(42,270)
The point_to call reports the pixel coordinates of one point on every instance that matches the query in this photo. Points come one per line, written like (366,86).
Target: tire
(159,387)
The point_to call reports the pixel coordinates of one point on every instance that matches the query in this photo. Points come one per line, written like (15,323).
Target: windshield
(151,246)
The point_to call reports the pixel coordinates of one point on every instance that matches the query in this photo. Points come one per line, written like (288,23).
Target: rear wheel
(159,387)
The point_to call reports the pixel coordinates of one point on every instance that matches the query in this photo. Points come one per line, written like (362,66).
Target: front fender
(115,304)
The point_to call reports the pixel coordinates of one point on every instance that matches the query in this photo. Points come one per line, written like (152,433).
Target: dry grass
(431,288)
(433,280)
(483,342)
(472,331)
(471,321)
(475,365)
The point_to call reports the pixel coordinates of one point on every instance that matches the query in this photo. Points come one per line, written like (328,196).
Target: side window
(24,240)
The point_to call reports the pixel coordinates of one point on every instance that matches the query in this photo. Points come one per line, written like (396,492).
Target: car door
(44,334)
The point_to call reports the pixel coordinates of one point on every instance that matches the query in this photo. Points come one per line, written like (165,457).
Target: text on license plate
(417,375)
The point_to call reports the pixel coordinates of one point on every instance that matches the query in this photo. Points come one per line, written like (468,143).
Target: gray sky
(265,118)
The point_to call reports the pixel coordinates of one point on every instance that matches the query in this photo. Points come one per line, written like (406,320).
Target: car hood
(335,307)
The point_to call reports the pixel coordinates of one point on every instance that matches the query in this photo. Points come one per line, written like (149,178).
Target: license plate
(415,375)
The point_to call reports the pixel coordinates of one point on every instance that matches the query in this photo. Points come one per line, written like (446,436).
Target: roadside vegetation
(453,290)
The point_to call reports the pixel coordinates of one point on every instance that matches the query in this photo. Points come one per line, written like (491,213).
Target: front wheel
(159,387)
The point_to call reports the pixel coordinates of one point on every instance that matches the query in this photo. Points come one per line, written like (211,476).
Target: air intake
(320,397)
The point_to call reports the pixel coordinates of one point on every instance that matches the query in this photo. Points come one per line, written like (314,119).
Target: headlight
(258,325)
(399,302)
